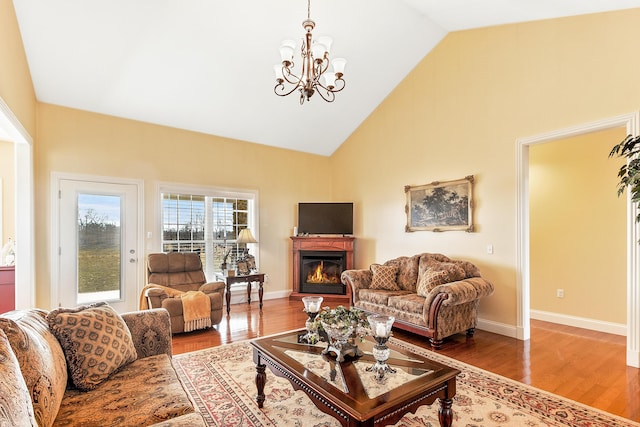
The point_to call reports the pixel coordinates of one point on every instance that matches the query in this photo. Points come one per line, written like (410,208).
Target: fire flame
(318,275)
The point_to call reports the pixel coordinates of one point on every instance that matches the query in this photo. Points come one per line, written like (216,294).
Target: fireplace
(317,264)
(320,272)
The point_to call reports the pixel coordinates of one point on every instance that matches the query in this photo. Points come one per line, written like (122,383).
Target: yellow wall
(73,141)
(578,228)
(16,88)
(460,112)
(8,192)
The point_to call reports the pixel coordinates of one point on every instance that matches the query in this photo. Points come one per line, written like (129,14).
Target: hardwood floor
(582,365)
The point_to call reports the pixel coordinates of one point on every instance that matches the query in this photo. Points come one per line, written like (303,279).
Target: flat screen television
(325,218)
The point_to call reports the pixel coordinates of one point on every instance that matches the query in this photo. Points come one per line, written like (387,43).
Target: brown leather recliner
(177,273)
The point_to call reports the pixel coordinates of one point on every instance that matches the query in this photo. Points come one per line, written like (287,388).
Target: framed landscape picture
(440,206)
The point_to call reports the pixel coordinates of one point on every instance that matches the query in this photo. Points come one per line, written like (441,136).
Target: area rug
(221,382)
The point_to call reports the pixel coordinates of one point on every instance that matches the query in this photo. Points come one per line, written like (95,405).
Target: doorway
(98,242)
(631,122)
(578,233)
(12,130)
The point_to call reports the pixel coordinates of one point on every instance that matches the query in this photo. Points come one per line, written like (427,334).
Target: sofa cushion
(410,303)
(384,277)
(380,297)
(95,340)
(41,361)
(16,408)
(144,392)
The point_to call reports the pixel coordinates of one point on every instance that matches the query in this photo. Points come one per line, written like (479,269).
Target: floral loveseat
(90,367)
(429,294)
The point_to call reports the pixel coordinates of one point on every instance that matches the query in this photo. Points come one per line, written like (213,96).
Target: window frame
(213,192)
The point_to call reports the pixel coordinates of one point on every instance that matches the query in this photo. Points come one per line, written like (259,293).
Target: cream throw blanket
(196,306)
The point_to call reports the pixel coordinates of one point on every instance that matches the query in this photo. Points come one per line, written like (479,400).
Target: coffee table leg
(261,379)
(445,413)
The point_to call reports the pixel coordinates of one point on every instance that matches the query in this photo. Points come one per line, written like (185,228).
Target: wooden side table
(248,279)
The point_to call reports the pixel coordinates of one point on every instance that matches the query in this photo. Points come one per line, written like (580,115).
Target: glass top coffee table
(347,390)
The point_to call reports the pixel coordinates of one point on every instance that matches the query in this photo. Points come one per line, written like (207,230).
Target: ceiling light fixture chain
(314,76)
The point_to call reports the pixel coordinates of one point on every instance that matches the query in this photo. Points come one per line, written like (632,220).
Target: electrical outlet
(560,293)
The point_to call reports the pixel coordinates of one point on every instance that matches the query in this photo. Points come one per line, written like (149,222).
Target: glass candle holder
(381,330)
(312,308)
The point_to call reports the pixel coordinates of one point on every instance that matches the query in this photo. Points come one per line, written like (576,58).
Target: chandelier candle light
(314,76)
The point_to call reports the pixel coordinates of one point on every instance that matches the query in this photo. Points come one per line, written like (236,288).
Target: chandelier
(314,76)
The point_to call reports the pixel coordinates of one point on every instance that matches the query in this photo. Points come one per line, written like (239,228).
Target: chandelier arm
(287,74)
(283,90)
(334,89)
(338,88)
(330,95)
(322,66)
(295,82)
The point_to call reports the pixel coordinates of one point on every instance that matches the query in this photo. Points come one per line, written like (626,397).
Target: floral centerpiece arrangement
(342,325)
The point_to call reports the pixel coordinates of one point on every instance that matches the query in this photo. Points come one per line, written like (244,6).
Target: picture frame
(440,206)
(243,268)
(251,262)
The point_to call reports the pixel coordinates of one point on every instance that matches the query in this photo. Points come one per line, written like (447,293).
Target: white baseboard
(239,295)
(633,358)
(497,328)
(580,322)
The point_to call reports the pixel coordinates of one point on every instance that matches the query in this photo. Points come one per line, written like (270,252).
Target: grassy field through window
(98,270)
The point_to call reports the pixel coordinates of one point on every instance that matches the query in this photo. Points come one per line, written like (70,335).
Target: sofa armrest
(356,280)
(454,293)
(155,296)
(213,287)
(150,331)
(484,288)
(461,292)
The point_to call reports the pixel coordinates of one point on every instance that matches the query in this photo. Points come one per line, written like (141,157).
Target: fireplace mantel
(321,243)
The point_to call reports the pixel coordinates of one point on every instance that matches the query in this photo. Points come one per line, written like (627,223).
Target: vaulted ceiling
(207,65)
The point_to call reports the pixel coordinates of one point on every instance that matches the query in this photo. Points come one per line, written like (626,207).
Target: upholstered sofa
(428,294)
(90,367)
(170,276)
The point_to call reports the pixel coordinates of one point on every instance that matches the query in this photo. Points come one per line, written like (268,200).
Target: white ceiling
(207,65)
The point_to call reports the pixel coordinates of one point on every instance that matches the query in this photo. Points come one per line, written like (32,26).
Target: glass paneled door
(98,244)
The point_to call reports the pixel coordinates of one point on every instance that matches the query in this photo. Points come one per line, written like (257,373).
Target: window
(207,221)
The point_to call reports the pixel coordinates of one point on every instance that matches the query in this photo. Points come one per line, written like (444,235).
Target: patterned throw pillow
(429,280)
(95,340)
(16,408)
(384,277)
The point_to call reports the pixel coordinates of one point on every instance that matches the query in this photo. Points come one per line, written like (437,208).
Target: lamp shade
(338,65)
(286,50)
(278,70)
(246,236)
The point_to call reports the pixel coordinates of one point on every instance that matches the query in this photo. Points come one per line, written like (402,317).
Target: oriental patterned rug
(221,382)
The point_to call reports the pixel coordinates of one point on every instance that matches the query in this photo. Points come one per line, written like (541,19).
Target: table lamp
(245,237)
